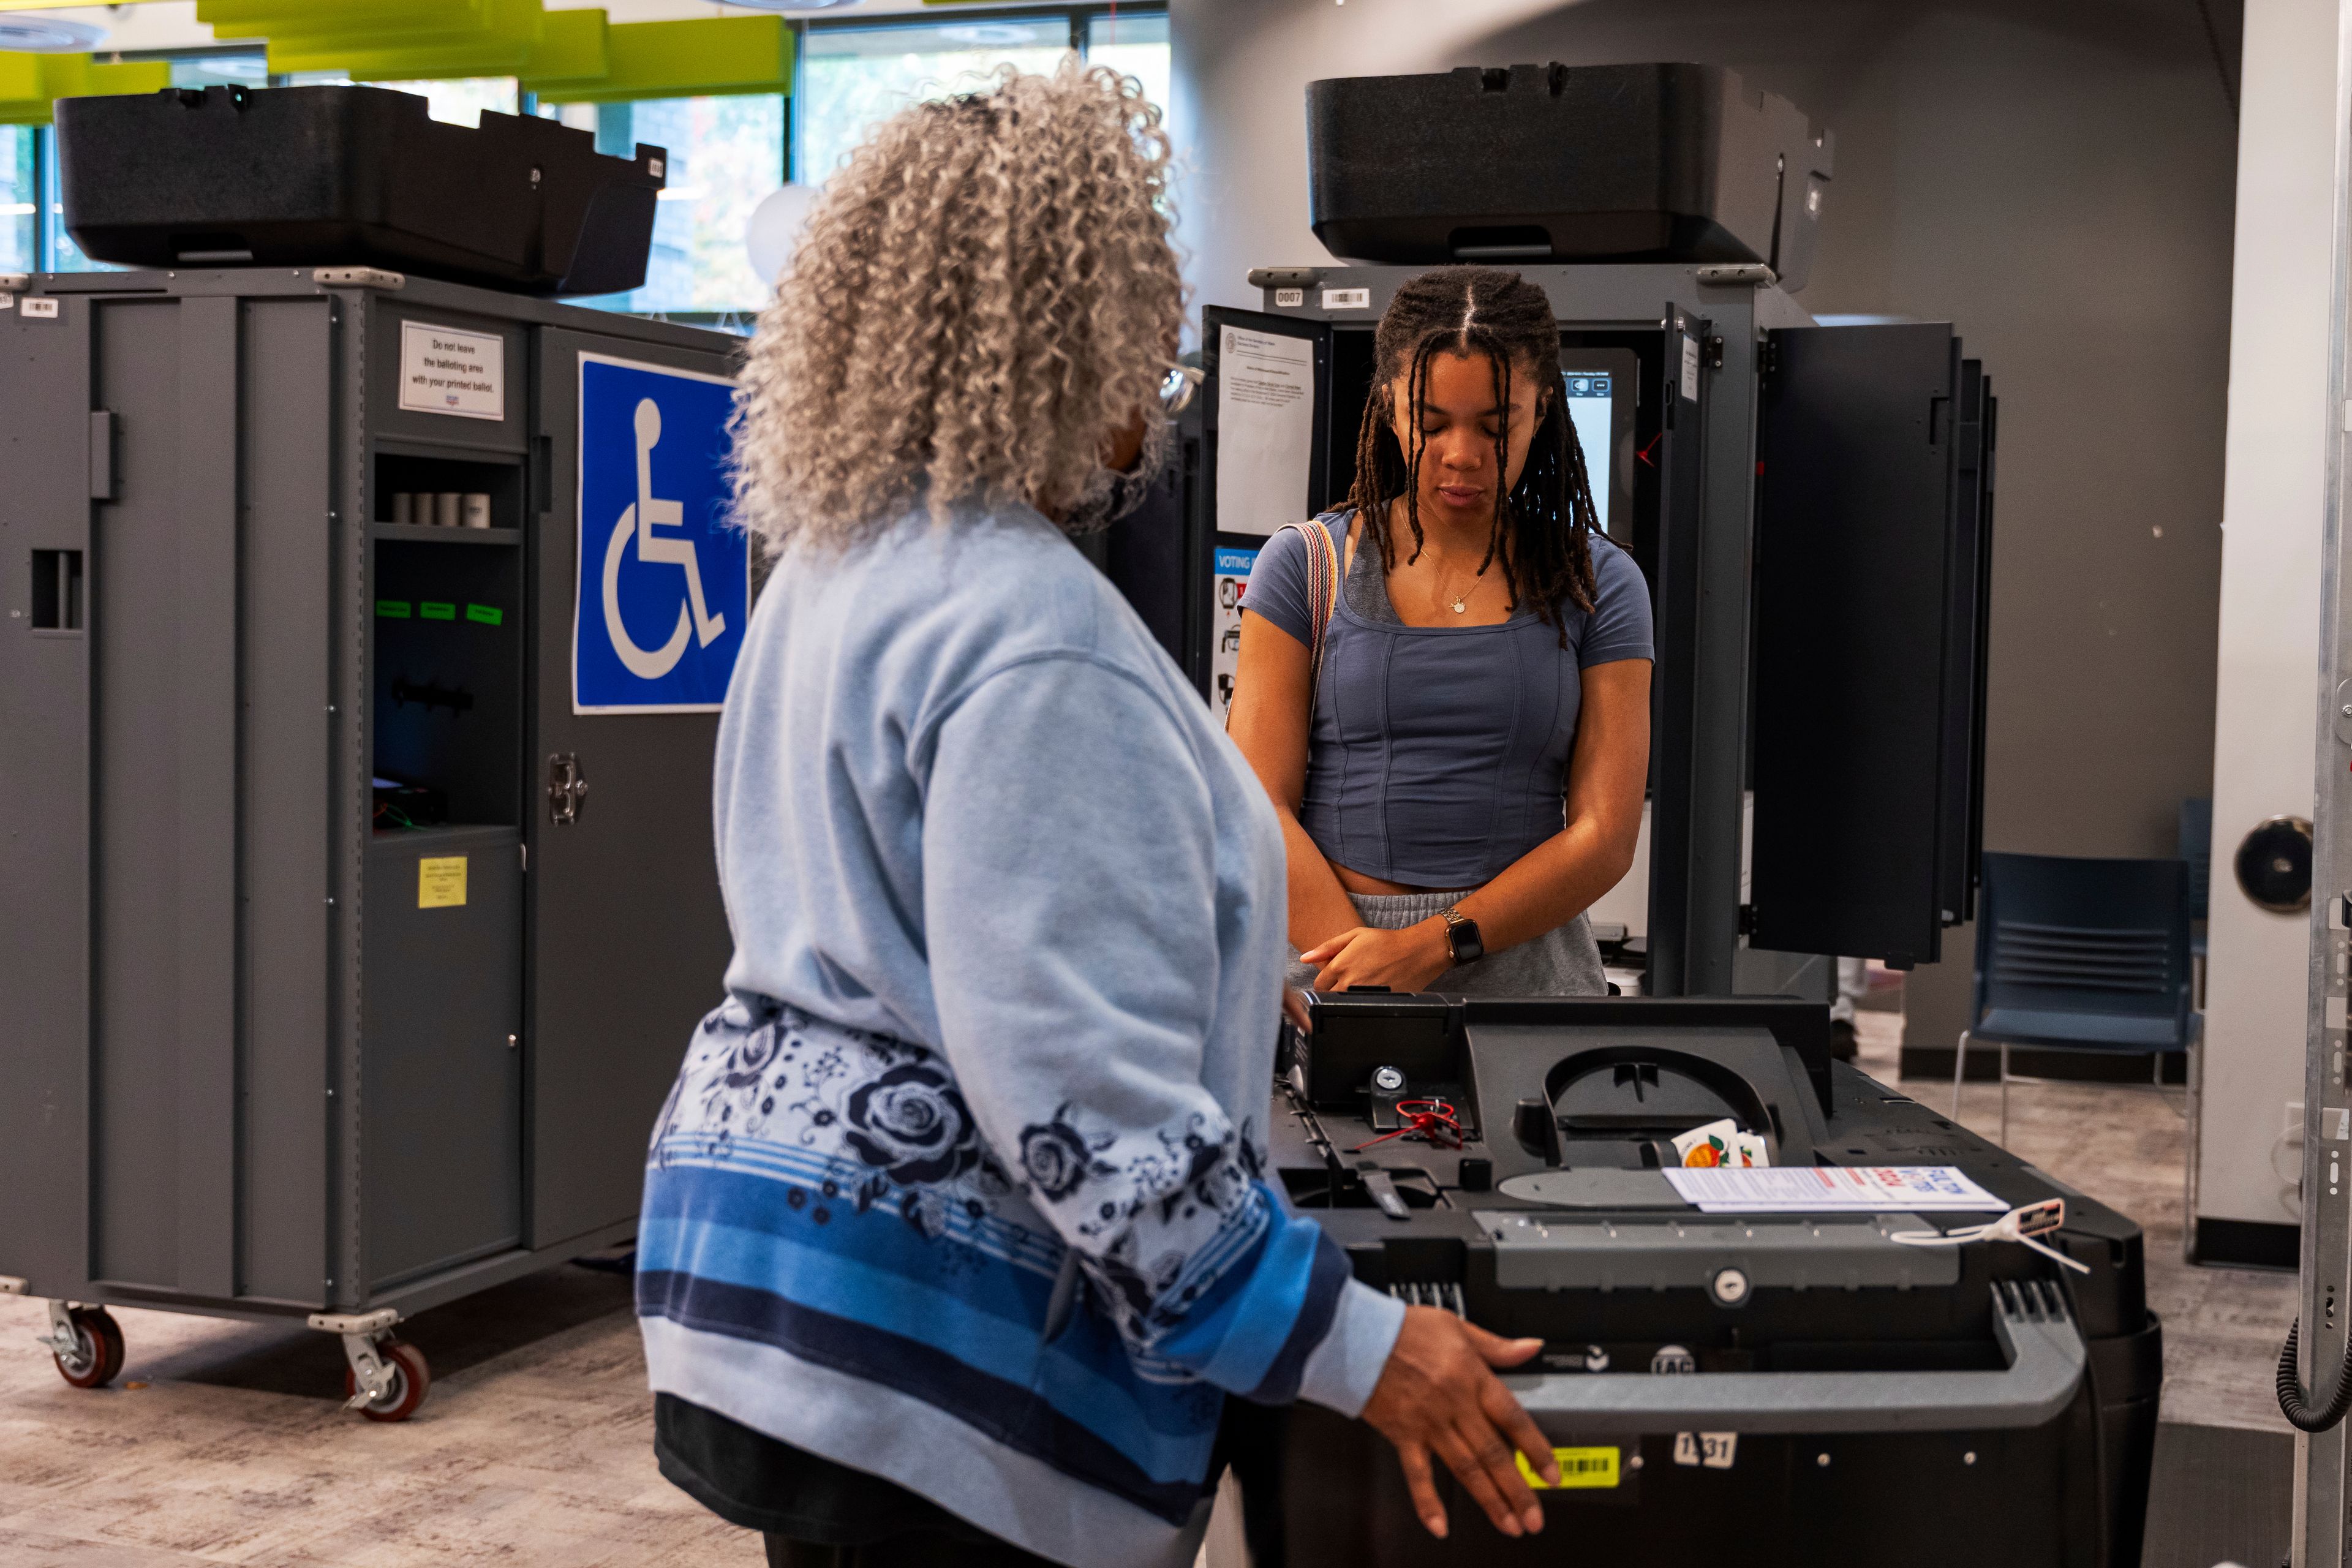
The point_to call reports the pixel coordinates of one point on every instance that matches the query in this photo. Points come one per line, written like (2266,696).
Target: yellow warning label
(1578,1468)
(441,885)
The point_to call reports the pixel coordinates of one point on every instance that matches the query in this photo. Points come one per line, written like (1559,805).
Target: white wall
(2267,666)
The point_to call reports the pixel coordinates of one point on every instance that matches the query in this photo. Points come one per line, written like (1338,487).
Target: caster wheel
(411,1378)
(97,1357)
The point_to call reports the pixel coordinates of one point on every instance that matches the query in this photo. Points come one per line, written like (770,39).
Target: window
(59,251)
(1133,46)
(725,155)
(458,101)
(462,100)
(852,76)
(223,69)
(19,200)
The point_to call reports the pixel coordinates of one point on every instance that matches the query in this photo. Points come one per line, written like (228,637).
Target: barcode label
(1578,1468)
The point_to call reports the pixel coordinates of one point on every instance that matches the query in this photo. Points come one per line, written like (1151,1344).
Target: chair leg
(2004,1094)
(1959,1067)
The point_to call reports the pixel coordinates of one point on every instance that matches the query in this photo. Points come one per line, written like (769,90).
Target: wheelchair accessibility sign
(665,578)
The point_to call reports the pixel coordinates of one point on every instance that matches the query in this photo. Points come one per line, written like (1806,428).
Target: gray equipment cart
(326,996)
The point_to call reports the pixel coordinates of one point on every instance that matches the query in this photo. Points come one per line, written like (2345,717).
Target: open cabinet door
(1265,456)
(1863,580)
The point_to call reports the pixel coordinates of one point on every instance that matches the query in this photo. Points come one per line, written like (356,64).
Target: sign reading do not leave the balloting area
(664,576)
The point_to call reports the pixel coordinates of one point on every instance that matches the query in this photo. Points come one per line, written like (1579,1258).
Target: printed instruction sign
(1233,570)
(441,882)
(663,590)
(1816,1189)
(446,370)
(1266,429)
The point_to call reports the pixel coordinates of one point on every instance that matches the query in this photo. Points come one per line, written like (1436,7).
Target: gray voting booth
(355,736)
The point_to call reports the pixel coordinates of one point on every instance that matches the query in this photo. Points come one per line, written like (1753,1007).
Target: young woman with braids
(1466,777)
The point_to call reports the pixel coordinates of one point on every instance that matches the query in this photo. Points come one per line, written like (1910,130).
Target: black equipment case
(1757,1389)
(1629,162)
(298,176)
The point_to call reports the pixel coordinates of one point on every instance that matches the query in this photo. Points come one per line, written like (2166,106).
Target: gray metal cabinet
(264,1052)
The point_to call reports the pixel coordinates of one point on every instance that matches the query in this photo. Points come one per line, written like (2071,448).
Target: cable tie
(1435,1116)
(2023,1225)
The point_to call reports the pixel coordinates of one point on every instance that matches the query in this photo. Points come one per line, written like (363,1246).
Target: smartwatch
(1462,937)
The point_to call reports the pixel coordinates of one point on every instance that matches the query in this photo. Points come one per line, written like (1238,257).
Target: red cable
(1436,1117)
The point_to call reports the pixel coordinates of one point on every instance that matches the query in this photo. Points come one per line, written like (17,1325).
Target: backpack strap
(1322,594)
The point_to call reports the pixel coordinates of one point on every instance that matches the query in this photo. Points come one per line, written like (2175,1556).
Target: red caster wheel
(411,1378)
(95,1356)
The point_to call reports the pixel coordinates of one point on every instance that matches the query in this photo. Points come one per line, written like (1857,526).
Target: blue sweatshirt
(962,1185)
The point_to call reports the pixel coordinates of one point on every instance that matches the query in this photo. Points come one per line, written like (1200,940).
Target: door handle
(567,789)
(2042,1357)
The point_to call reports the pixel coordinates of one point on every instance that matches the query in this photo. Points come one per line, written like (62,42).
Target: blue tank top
(1439,754)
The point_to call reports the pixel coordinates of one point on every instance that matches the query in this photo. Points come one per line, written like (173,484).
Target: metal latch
(357,277)
(567,791)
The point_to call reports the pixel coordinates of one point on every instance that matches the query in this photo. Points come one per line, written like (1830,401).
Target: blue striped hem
(1006,1413)
(1326,1277)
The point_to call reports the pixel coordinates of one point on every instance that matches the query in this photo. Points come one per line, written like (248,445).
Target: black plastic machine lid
(1632,162)
(296,176)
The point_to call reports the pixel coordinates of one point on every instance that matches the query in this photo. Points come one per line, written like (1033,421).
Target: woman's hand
(1437,1396)
(1403,960)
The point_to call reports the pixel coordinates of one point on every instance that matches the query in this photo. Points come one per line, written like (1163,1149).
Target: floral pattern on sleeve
(1157,1215)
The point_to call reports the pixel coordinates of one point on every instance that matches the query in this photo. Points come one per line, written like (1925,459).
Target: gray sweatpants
(1563,962)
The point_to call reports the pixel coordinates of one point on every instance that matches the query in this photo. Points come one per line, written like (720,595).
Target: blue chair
(2080,955)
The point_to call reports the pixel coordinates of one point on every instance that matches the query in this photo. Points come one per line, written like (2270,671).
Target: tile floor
(226,1443)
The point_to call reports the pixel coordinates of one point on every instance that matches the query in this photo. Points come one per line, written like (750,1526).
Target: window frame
(1079,18)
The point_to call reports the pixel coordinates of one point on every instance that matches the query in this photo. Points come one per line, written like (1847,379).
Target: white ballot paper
(1266,430)
(1816,1189)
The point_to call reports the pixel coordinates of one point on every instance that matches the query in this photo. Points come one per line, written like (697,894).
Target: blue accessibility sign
(664,576)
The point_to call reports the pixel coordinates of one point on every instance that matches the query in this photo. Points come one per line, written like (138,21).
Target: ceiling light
(49,36)
(795,5)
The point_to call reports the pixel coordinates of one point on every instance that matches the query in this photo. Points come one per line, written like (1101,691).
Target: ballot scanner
(1761,1388)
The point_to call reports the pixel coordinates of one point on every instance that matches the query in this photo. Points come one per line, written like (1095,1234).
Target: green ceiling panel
(702,58)
(270,18)
(573,49)
(30,84)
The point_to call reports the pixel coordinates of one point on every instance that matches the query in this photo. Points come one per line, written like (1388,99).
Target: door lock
(567,789)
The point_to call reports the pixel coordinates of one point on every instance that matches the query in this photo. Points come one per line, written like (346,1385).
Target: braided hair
(1542,529)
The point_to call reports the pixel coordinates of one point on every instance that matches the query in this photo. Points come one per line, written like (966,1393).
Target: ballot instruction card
(1816,1189)
(1266,430)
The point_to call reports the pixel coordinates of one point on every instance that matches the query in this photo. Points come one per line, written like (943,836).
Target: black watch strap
(1462,938)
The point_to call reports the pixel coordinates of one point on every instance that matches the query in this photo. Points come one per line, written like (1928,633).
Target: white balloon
(776,229)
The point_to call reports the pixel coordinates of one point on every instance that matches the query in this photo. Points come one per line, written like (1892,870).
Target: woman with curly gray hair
(954,1244)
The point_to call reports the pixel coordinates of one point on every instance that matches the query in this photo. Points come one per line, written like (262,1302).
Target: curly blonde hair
(984,296)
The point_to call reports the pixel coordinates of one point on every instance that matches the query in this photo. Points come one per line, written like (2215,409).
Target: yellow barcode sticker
(1578,1468)
(441,882)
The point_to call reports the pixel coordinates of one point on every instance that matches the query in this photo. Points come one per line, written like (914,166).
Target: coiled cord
(2301,1416)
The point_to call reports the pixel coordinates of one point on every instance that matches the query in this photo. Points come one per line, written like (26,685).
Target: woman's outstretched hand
(1403,960)
(1438,1396)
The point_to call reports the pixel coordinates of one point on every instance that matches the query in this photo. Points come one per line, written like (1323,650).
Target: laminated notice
(441,882)
(445,371)
(1817,1189)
